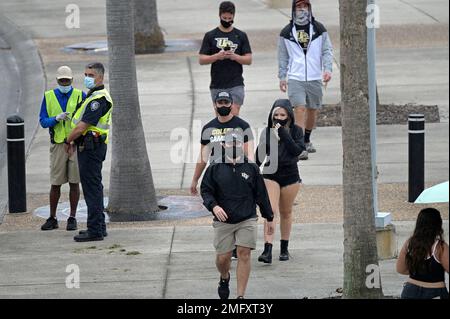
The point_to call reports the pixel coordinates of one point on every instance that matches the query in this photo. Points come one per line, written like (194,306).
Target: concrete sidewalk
(174,99)
(175,262)
(175,86)
(21,85)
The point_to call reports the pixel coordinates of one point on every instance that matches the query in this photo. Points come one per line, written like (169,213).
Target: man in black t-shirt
(213,134)
(227,49)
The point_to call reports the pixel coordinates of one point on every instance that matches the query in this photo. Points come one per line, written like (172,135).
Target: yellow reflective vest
(104,123)
(63,128)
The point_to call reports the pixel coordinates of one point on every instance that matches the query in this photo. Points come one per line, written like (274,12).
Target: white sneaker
(310,148)
(303,156)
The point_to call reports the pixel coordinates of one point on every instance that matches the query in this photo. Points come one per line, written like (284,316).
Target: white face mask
(302,17)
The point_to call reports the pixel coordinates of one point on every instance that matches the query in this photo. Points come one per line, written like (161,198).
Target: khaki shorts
(62,168)
(227,236)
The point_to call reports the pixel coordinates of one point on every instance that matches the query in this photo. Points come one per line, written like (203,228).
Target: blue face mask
(89,82)
(64,89)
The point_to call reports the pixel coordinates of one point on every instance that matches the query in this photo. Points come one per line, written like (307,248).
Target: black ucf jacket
(237,188)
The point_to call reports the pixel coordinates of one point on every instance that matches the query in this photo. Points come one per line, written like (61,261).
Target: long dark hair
(428,230)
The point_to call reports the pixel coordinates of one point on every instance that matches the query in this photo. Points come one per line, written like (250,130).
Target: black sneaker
(240,297)
(71,224)
(87,237)
(224,287)
(50,224)
(234,254)
(81,232)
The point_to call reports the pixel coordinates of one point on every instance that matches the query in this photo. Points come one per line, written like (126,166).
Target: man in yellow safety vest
(56,109)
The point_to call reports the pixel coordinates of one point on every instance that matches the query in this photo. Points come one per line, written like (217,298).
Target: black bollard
(15,136)
(416,156)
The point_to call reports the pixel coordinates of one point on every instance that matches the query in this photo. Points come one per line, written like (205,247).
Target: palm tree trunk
(131,192)
(360,248)
(147,33)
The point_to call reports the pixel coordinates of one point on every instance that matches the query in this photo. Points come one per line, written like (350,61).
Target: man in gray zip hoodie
(305,59)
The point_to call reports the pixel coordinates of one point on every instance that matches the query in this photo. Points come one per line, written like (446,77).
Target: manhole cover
(63,211)
(101,46)
(178,207)
(94,47)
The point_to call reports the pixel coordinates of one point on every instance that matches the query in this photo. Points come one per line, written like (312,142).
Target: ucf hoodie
(293,62)
(237,188)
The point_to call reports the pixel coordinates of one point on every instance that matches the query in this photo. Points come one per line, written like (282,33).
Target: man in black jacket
(231,188)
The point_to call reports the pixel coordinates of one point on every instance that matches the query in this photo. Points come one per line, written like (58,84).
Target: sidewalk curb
(33,82)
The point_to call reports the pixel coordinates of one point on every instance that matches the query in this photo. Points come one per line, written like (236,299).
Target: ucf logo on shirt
(221,43)
(303,38)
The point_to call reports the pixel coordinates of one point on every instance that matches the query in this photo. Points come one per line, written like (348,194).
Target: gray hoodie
(293,63)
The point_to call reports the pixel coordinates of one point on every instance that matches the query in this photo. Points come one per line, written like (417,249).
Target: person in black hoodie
(231,188)
(280,145)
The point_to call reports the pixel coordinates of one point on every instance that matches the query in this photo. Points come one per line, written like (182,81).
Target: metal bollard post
(416,156)
(15,136)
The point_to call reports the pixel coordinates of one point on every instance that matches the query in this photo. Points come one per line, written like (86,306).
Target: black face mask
(224,111)
(226,24)
(234,151)
(282,122)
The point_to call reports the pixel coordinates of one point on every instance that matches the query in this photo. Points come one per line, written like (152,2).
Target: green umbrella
(435,194)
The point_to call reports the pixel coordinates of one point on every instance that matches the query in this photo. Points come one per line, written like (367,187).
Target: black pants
(90,164)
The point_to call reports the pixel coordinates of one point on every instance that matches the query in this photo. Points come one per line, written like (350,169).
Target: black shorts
(285,177)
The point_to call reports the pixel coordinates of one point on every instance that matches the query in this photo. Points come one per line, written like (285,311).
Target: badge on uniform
(94,106)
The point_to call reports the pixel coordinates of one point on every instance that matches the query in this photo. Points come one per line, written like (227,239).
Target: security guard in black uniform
(91,121)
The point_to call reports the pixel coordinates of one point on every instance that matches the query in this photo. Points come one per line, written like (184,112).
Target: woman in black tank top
(424,257)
